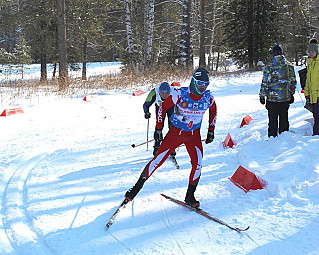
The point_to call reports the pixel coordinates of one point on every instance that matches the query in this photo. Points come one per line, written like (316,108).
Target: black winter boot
(173,154)
(189,198)
(156,146)
(132,192)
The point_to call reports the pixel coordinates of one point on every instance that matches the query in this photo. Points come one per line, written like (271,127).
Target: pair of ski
(194,209)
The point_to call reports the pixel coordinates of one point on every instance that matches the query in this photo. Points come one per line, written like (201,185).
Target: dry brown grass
(75,87)
(122,81)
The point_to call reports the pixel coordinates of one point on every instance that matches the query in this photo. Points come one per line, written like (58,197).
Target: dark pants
(275,111)
(315,112)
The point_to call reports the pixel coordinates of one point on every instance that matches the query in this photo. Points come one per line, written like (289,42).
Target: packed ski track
(66,164)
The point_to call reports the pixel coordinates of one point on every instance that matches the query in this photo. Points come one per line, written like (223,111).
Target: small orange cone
(89,98)
(246,120)
(247,180)
(228,142)
(138,93)
(9,112)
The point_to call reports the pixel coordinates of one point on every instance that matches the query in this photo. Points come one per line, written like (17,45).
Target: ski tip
(133,145)
(242,230)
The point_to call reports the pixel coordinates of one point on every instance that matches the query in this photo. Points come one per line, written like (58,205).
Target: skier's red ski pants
(174,138)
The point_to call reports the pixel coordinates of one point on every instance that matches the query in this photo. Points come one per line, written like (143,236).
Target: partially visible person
(175,84)
(312,84)
(313,40)
(158,95)
(277,91)
(303,72)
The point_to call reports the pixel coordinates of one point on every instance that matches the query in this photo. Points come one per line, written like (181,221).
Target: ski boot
(173,154)
(132,192)
(189,198)
(156,146)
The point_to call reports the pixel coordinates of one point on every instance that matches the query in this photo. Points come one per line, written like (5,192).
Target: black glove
(158,136)
(210,137)
(147,115)
(308,106)
(307,99)
(262,100)
(292,100)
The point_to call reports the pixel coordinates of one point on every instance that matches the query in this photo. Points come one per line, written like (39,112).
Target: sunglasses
(201,83)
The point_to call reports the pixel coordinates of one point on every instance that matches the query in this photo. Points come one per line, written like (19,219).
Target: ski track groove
(254,242)
(20,230)
(168,225)
(120,242)
(167,221)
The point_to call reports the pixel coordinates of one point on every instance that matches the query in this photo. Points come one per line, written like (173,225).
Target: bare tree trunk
(129,35)
(43,53)
(149,25)
(217,60)
(202,59)
(186,58)
(54,70)
(85,46)
(61,24)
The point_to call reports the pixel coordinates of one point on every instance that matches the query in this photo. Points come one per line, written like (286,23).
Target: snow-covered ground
(31,72)
(66,164)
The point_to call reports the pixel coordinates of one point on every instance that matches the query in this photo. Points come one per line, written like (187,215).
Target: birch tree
(149,26)
(186,58)
(202,58)
(129,35)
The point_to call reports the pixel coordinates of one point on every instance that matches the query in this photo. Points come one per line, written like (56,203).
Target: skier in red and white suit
(190,104)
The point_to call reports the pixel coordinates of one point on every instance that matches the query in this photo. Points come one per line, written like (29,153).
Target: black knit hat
(201,74)
(276,50)
(313,40)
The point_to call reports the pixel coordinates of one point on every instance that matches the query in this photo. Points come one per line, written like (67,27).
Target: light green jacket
(312,83)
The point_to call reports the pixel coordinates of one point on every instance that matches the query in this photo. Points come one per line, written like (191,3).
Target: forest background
(151,36)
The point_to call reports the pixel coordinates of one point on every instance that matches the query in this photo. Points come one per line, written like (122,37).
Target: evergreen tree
(250,28)
(22,56)
(295,28)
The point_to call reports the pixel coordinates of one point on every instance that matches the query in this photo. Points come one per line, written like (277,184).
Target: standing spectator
(158,95)
(190,104)
(278,86)
(303,72)
(312,85)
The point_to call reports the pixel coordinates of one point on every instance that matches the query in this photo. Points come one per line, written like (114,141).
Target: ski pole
(133,145)
(148,125)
